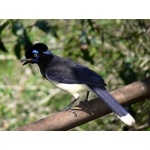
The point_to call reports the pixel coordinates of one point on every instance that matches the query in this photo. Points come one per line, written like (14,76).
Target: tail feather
(113,104)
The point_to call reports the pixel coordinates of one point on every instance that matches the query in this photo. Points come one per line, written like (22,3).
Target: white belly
(73,89)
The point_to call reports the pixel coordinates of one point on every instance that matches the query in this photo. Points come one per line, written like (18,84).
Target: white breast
(73,89)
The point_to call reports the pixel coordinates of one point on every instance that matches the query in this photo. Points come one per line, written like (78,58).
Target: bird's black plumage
(73,77)
(64,70)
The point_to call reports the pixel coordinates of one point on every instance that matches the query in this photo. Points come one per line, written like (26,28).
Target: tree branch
(65,120)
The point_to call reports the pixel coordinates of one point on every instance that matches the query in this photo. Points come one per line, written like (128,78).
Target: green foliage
(116,49)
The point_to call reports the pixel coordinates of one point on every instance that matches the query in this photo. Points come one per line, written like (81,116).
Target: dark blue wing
(64,70)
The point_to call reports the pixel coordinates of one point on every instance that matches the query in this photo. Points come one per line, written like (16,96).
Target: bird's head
(35,53)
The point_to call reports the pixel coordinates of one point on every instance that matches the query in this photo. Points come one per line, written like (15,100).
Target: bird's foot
(69,109)
(86,102)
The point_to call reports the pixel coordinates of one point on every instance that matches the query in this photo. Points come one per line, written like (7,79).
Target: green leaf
(18,28)
(3,26)
(17,50)
(45,27)
(2,46)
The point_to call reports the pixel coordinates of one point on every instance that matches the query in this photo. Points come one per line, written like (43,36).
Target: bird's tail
(113,104)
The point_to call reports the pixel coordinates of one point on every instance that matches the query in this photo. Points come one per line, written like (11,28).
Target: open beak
(26,61)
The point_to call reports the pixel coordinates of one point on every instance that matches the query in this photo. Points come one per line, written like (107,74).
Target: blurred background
(119,50)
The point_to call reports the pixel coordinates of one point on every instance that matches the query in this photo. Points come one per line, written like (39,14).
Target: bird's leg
(74,100)
(86,100)
(70,105)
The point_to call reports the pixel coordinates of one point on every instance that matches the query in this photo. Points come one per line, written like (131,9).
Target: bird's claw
(69,109)
(86,102)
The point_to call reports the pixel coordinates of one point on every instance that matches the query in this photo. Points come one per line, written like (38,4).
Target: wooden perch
(66,120)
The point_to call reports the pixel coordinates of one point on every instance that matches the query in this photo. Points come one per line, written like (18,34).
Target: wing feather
(64,70)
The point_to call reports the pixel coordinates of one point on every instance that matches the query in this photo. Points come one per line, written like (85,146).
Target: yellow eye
(35,55)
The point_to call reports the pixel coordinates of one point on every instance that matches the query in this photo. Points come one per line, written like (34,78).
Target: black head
(35,53)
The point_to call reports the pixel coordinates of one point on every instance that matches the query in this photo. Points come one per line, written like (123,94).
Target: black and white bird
(73,78)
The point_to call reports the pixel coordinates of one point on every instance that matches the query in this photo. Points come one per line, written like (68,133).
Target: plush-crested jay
(73,78)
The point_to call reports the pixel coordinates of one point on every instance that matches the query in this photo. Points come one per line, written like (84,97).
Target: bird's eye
(35,55)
